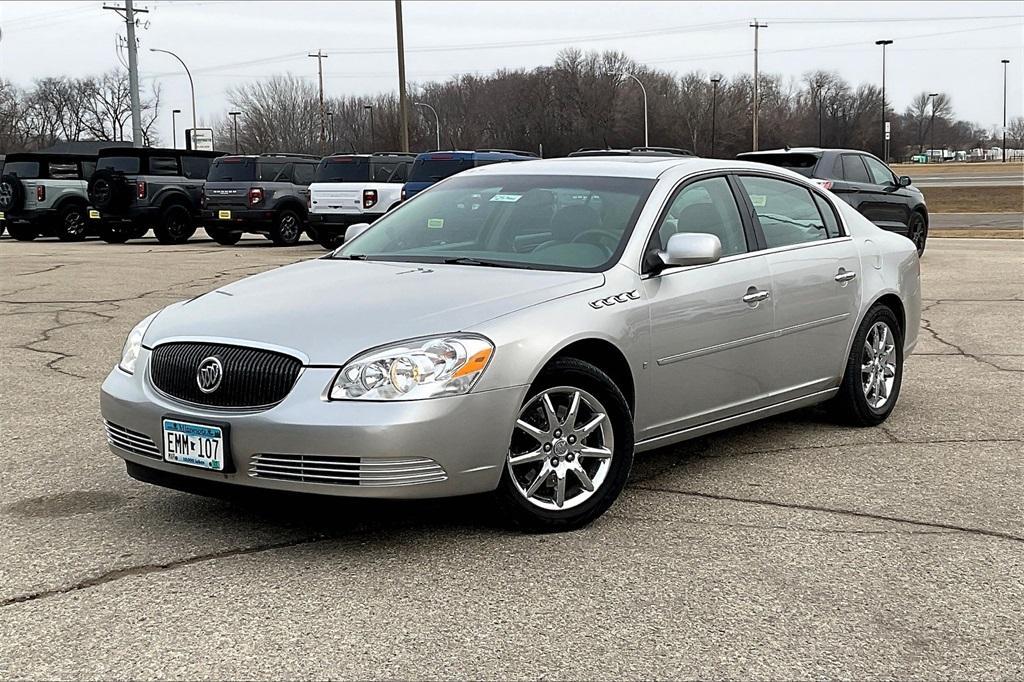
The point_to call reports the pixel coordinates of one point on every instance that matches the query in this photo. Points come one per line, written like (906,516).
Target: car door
(710,324)
(890,202)
(815,283)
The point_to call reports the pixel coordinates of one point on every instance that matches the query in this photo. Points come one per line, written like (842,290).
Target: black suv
(44,194)
(267,194)
(862,181)
(138,188)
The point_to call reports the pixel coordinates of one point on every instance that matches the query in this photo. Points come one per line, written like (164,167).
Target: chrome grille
(132,441)
(357,471)
(252,377)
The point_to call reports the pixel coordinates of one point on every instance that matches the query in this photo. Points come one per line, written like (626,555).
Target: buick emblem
(209,374)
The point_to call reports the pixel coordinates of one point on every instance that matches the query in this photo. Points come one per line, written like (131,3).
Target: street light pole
(644,91)
(403,100)
(931,126)
(373,140)
(1005,62)
(885,137)
(714,110)
(437,123)
(234,117)
(174,128)
(330,131)
(191,84)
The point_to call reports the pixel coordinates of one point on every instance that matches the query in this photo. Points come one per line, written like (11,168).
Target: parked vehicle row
(123,192)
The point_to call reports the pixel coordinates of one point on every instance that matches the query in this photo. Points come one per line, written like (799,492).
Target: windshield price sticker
(508,198)
(435,223)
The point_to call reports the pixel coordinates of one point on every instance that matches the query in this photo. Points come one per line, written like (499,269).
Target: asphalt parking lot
(791,548)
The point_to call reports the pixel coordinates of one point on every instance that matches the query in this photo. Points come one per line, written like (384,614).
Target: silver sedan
(524,329)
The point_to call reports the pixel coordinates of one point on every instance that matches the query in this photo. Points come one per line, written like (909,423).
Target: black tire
(113,235)
(580,376)
(21,232)
(72,223)
(223,237)
(176,225)
(330,241)
(12,194)
(851,405)
(287,229)
(109,190)
(917,231)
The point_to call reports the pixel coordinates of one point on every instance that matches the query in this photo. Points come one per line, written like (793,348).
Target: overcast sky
(954,47)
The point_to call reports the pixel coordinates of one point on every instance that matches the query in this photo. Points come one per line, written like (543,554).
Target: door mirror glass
(904,181)
(691,248)
(355,230)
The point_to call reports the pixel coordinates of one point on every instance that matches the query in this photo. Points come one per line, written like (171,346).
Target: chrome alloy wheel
(878,365)
(74,224)
(289,228)
(561,448)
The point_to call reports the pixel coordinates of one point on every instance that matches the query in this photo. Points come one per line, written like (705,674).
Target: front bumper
(466,436)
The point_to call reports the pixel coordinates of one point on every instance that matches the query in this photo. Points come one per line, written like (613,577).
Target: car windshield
(124,164)
(798,163)
(22,169)
(232,170)
(343,169)
(545,222)
(438,167)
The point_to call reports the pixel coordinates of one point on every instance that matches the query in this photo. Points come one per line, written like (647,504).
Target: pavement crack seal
(843,512)
(926,325)
(145,569)
(47,335)
(39,272)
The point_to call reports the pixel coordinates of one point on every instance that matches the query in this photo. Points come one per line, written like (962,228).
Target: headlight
(412,370)
(133,344)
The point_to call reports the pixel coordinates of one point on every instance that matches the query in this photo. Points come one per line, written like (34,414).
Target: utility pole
(133,66)
(320,56)
(330,130)
(931,126)
(234,119)
(1004,63)
(403,103)
(757,77)
(885,133)
(714,110)
(373,135)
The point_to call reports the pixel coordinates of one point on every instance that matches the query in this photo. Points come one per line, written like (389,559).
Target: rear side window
(303,173)
(163,165)
(343,169)
(122,164)
(438,167)
(799,163)
(854,170)
(828,214)
(64,170)
(232,170)
(272,172)
(786,211)
(195,167)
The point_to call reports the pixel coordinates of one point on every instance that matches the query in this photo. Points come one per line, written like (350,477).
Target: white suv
(354,188)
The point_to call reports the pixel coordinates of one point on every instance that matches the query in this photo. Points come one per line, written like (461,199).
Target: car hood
(331,310)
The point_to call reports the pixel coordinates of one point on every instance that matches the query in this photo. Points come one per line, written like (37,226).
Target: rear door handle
(756,295)
(845,275)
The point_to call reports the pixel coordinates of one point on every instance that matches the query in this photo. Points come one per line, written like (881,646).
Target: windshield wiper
(351,256)
(465,260)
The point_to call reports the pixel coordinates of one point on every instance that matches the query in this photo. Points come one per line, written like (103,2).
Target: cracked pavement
(790,548)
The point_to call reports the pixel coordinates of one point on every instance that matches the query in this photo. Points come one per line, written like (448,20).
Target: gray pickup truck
(44,194)
(137,189)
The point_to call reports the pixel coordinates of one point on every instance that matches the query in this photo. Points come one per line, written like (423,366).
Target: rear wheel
(71,226)
(23,233)
(329,241)
(874,371)
(175,226)
(223,236)
(287,230)
(571,449)
(917,231)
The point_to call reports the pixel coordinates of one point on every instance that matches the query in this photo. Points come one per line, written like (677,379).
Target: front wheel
(176,225)
(917,232)
(72,224)
(571,449)
(287,230)
(874,371)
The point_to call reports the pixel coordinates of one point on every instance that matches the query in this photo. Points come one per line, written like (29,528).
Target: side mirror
(355,230)
(690,248)
(904,181)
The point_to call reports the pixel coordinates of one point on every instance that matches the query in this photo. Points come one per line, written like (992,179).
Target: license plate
(2,216)
(95,215)
(194,445)
(224,215)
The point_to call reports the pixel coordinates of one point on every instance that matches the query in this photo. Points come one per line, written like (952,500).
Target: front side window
(786,211)
(543,222)
(163,165)
(120,164)
(854,170)
(880,174)
(706,206)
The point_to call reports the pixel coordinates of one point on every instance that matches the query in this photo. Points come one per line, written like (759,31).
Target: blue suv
(433,167)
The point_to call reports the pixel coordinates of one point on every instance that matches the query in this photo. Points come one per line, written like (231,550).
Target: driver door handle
(756,296)
(845,275)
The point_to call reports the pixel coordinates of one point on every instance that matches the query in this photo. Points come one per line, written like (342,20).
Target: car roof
(804,150)
(651,167)
(487,155)
(49,156)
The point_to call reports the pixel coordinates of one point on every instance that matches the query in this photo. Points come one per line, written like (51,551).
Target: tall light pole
(757,26)
(1005,62)
(437,123)
(403,100)
(190,83)
(931,126)
(644,91)
(885,136)
(234,118)
(330,131)
(174,128)
(714,110)
(373,140)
